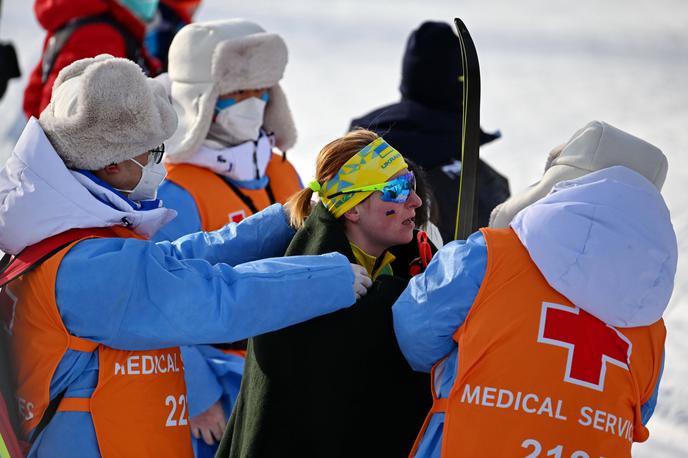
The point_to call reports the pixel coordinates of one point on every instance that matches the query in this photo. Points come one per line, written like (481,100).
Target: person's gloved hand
(361,280)
(210,425)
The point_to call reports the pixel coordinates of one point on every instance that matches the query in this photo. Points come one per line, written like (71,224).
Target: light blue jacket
(605,238)
(155,295)
(210,374)
(187,221)
(132,294)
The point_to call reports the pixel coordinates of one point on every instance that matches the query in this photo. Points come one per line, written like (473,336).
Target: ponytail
(299,207)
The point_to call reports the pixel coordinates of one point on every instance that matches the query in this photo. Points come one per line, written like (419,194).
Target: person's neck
(368,246)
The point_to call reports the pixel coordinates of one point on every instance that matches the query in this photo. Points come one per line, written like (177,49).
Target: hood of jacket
(606,242)
(40,197)
(53,14)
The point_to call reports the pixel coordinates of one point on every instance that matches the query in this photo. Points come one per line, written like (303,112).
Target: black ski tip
(460,26)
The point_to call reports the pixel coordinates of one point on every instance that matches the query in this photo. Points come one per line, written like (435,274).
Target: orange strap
(32,256)
(75,405)
(439,405)
(79,344)
(123,232)
(231,351)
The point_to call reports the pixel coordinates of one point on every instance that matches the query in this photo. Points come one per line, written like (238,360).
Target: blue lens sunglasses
(397,190)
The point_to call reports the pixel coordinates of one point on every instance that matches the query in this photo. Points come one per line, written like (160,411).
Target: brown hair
(330,159)
(428,211)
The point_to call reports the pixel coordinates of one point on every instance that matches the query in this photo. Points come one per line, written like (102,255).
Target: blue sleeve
(132,295)
(647,409)
(187,221)
(436,302)
(202,387)
(263,235)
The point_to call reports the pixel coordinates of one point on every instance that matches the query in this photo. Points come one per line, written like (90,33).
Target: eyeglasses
(155,154)
(397,190)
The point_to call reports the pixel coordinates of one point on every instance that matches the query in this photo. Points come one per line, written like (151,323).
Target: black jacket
(335,386)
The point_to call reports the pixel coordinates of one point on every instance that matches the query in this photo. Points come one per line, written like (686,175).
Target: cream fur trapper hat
(594,147)
(207,59)
(104,110)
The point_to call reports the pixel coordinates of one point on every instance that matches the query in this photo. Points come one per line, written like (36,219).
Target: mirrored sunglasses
(397,190)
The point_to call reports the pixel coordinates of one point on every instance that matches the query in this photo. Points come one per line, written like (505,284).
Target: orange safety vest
(139,405)
(218,204)
(538,376)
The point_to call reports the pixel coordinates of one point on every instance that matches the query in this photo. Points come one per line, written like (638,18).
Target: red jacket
(86,41)
(185,9)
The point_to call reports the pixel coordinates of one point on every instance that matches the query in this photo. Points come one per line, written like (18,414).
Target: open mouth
(409,222)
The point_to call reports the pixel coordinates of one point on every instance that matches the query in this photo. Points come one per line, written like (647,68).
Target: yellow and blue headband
(376,163)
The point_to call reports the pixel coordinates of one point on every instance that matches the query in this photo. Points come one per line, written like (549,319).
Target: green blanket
(334,386)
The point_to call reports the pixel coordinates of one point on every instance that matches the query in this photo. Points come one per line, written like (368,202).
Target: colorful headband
(376,163)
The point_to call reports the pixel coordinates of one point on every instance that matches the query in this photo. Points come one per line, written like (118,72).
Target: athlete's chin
(405,235)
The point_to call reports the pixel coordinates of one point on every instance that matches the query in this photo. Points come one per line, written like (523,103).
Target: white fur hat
(594,147)
(207,59)
(104,110)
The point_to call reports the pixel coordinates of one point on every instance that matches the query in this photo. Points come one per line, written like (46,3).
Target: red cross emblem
(237,217)
(591,343)
(8,307)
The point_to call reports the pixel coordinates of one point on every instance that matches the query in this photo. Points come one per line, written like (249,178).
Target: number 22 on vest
(173,402)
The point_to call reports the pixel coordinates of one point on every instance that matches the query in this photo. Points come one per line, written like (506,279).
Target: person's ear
(352,215)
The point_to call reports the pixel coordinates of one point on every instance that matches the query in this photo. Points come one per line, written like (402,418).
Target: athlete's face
(376,225)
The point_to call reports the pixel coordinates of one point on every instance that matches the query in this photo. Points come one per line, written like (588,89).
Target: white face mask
(152,175)
(240,122)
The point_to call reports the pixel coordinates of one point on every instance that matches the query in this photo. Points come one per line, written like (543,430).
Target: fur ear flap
(495,217)
(553,155)
(195,104)
(278,119)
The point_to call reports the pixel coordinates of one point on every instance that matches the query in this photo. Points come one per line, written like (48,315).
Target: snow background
(548,67)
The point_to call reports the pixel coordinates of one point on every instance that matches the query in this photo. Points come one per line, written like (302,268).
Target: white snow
(547,67)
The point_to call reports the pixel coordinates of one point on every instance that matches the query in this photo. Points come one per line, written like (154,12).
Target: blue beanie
(432,66)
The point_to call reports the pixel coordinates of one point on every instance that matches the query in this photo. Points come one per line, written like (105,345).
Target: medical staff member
(95,326)
(546,335)
(225,159)
(225,162)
